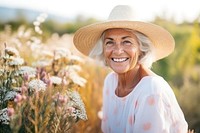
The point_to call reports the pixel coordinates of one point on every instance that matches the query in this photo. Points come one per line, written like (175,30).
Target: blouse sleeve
(159,113)
(106,93)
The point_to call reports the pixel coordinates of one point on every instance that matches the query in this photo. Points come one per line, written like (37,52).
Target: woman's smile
(119,60)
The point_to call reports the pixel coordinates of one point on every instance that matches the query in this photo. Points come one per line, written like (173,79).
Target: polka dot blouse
(150,108)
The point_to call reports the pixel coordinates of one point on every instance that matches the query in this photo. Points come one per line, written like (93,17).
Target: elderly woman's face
(121,50)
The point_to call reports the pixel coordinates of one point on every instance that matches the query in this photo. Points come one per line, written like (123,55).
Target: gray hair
(146,47)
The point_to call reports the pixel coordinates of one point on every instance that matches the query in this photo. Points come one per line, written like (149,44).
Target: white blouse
(150,108)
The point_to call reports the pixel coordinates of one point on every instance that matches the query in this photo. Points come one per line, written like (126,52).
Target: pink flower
(26,77)
(62,99)
(24,97)
(24,89)
(10,111)
(18,98)
(71,109)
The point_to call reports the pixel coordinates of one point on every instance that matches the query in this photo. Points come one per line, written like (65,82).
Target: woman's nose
(118,49)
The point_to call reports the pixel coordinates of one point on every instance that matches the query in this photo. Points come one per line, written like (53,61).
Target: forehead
(119,32)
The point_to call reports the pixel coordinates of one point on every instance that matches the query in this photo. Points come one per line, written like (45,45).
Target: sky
(144,10)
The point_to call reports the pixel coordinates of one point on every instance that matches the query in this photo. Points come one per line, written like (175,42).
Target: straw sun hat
(122,17)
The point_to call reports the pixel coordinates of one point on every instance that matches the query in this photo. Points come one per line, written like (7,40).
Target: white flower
(73,75)
(47,54)
(11,51)
(16,88)
(78,104)
(1,72)
(72,68)
(61,52)
(38,30)
(36,23)
(42,63)
(76,58)
(37,85)
(77,79)
(23,32)
(30,71)
(42,17)
(10,95)
(56,80)
(13,81)
(4,119)
(16,61)
(36,40)
(17,42)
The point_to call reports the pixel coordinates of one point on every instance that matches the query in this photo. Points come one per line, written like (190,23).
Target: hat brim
(86,37)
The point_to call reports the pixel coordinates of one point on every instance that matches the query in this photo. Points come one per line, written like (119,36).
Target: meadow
(54,56)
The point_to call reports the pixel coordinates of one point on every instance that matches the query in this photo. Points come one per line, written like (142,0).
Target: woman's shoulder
(150,78)
(155,84)
(154,79)
(110,76)
(110,80)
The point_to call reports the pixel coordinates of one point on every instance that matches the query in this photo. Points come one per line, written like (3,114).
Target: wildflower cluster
(40,19)
(43,97)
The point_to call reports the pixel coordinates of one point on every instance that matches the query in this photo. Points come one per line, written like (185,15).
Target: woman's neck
(127,81)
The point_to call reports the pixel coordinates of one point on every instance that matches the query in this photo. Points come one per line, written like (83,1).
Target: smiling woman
(135,99)
(121,50)
(145,45)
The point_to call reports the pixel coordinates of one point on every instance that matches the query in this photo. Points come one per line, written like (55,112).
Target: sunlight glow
(144,9)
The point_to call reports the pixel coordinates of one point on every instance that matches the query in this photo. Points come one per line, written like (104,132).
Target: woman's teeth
(119,59)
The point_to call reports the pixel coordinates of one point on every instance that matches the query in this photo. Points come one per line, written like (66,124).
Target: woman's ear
(141,54)
(105,62)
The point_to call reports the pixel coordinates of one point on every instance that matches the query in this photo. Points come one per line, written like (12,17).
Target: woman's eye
(127,42)
(109,43)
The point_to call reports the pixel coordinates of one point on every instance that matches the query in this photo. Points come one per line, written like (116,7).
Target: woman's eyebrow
(122,38)
(126,37)
(109,38)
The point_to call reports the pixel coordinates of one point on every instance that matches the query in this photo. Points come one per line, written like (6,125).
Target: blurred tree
(79,22)
(189,63)
(182,68)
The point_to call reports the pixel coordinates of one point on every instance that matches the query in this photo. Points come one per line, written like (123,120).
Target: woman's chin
(120,70)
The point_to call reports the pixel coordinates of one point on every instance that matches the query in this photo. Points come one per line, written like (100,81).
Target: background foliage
(181,69)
